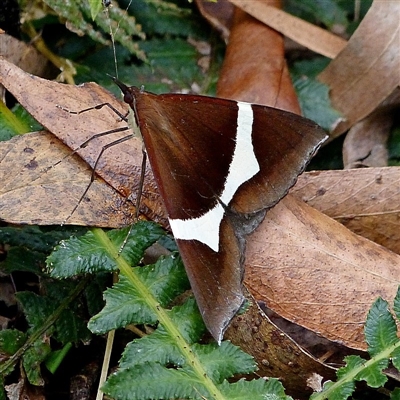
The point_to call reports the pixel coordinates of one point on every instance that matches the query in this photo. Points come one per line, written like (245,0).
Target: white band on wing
(244,166)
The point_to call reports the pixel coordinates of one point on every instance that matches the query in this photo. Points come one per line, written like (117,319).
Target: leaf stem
(162,314)
(352,375)
(47,324)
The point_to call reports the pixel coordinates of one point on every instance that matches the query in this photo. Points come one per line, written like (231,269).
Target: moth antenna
(107,5)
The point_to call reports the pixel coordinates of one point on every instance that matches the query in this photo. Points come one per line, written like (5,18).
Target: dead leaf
(365,144)
(313,271)
(31,194)
(250,65)
(276,353)
(24,390)
(120,165)
(365,200)
(23,55)
(218,14)
(316,39)
(366,72)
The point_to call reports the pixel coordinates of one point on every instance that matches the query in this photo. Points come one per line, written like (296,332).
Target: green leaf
(79,256)
(396,357)
(352,362)
(160,346)
(32,360)
(11,340)
(373,374)
(173,65)
(255,390)
(23,259)
(41,239)
(329,12)
(88,254)
(69,327)
(124,305)
(153,381)
(127,303)
(224,361)
(395,395)
(80,20)
(207,362)
(380,328)
(314,102)
(159,17)
(2,392)
(394,147)
(95,7)
(36,308)
(340,392)
(10,124)
(183,368)
(188,320)
(29,123)
(94,292)
(165,279)
(396,304)
(54,360)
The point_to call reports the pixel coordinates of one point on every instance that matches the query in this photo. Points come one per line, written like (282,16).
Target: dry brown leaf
(251,65)
(277,354)
(366,72)
(366,200)
(365,144)
(23,55)
(316,39)
(219,14)
(313,271)
(120,165)
(24,390)
(30,194)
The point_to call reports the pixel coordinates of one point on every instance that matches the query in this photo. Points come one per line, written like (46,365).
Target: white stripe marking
(244,166)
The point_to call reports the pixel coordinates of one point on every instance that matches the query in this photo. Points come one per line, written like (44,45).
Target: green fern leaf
(255,390)
(68,327)
(166,279)
(160,346)
(79,13)
(221,362)
(153,381)
(10,341)
(32,360)
(88,254)
(127,303)
(373,374)
(396,305)
(36,308)
(95,7)
(396,357)
(395,395)
(168,363)
(333,391)
(380,328)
